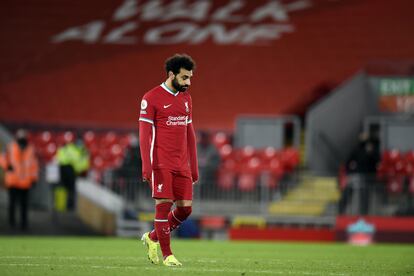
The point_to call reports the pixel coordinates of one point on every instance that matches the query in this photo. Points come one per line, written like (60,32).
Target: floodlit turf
(111,256)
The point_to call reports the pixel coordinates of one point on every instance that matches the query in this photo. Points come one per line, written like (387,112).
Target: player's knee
(163,208)
(185,211)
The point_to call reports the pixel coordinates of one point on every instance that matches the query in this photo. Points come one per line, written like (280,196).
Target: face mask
(22,142)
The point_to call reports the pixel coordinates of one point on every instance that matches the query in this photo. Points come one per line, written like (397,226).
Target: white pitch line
(74,257)
(175,269)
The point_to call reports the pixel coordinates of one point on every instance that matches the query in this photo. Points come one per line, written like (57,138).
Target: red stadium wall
(283,234)
(98,75)
(387,229)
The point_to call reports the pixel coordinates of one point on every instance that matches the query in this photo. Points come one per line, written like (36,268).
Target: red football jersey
(169,115)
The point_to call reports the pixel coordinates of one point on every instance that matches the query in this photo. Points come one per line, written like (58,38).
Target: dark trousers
(68,179)
(18,197)
(364,196)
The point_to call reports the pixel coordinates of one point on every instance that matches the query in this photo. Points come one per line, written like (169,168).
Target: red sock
(178,215)
(162,227)
(175,218)
(153,235)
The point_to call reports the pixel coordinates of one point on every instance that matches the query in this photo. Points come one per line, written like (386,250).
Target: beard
(179,87)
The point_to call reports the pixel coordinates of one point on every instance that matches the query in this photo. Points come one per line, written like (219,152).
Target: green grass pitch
(116,256)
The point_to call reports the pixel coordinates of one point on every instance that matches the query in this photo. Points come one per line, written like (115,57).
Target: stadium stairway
(106,212)
(311,197)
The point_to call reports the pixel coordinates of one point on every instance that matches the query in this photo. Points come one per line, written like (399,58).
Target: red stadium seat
(253,165)
(268,153)
(118,161)
(98,163)
(409,163)
(385,169)
(50,151)
(62,138)
(408,169)
(226,151)
(125,140)
(393,163)
(276,168)
(229,164)
(246,153)
(290,158)
(411,184)
(89,138)
(409,156)
(109,139)
(117,151)
(93,150)
(226,179)
(105,153)
(31,137)
(395,184)
(342,177)
(391,156)
(247,182)
(42,138)
(249,172)
(381,171)
(220,138)
(399,167)
(272,172)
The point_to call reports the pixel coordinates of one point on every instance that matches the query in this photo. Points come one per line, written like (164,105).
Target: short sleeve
(147,112)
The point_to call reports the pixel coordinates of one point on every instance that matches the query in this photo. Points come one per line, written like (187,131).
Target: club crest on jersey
(144,104)
(187,109)
(159,188)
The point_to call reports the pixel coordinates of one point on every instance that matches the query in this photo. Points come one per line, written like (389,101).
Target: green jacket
(74,155)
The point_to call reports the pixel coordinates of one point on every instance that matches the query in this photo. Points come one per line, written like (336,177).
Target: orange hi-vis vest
(24,166)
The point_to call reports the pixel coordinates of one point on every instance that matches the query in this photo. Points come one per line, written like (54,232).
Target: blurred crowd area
(219,161)
(371,181)
(114,161)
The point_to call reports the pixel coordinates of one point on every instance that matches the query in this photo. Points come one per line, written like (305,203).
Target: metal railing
(365,194)
(211,198)
(298,193)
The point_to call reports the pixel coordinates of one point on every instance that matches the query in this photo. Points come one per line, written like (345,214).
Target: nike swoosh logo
(167,106)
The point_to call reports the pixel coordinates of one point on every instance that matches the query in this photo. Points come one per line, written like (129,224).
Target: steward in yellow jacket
(73,160)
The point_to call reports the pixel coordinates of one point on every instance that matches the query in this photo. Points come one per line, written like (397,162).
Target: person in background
(21,172)
(362,162)
(208,162)
(73,160)
(130,170)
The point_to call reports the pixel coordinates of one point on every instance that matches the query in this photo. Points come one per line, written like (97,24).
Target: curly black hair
(178,61)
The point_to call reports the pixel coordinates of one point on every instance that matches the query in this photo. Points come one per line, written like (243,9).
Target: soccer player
(169,154)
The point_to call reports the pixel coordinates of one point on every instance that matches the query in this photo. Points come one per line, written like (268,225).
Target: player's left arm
(192,143)
(192,151)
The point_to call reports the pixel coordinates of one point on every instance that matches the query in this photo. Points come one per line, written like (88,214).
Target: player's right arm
(145,134)
(146,123)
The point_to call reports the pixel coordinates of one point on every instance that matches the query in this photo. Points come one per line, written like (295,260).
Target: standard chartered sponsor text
(177,120)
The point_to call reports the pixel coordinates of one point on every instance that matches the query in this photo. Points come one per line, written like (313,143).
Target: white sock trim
(161,220)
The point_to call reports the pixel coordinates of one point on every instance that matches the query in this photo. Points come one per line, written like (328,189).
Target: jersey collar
(163,85)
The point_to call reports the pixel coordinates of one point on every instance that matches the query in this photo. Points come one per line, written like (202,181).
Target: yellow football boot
(171,261)
(152,248)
